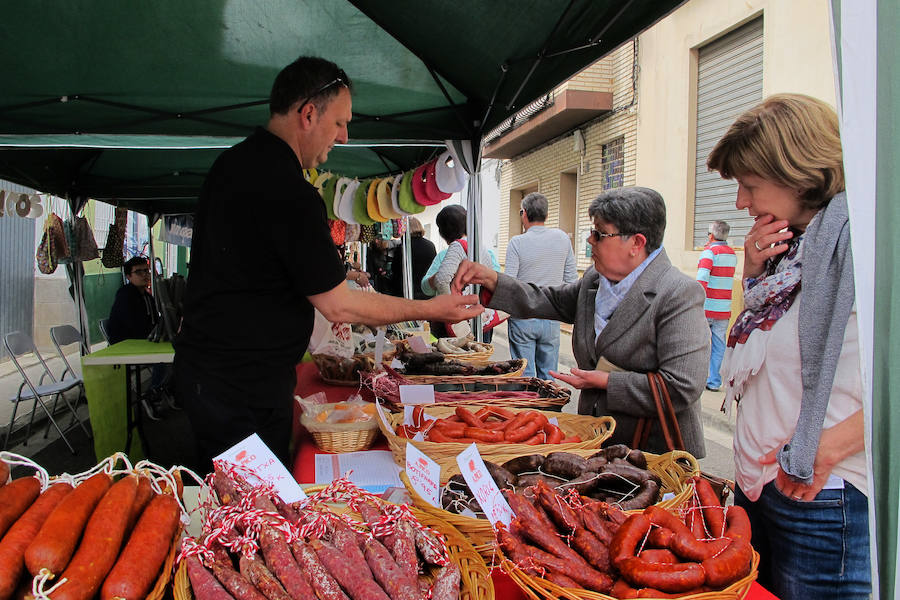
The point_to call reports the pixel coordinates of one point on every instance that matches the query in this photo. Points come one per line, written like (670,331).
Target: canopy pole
(408,290)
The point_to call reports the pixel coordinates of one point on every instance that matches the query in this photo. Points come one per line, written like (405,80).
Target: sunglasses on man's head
(340,79)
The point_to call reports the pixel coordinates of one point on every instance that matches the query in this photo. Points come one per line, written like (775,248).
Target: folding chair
(18,345)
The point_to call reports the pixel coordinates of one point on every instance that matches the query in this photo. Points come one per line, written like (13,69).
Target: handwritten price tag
(483,487)
(424,475)
(253,453)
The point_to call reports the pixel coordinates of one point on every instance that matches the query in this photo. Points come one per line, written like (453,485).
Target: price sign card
(424,475)
(418,344)
(253,453)
(384,419)
(483,487)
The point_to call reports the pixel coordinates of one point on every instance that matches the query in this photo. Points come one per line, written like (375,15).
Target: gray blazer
(659,326)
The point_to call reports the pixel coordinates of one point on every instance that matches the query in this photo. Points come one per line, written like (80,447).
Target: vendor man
(261,258)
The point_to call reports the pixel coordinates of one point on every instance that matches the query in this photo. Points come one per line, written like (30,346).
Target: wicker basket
(539,589)
(475,578)
(551,395)
(426,379)
(675,469)
(592,430)
(342,437)
(475,358)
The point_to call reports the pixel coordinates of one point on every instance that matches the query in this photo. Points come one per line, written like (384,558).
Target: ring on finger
(756,243)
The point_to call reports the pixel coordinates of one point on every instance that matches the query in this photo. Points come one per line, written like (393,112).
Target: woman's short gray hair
(535,206)
(633,210)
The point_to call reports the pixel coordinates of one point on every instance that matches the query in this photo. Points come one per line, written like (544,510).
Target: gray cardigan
(659,326)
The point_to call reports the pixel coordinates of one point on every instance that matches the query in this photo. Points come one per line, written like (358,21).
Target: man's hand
(581,379)
(473,272)
(455,307)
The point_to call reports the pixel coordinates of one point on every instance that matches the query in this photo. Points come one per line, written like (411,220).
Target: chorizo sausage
(359,584)
(138,565)
(347,541)
(141,499)
(683,542)
(561,580)
(281,562)
(323,584)
(622,589)
(225,487)
(558,511)
(597,526)
(625,541)
(446,584)
(100,543)
(580,572)
(665,577)
(730,565)
(388,574)
(55,543)
(404,549)
(468,417)
(483,435)
(518,435)
(254,569)
(15,498)
(658,555)
(17,538)
(712,509)
(203,583)
(236,584)
(738,524)
(4,472)
(660,537)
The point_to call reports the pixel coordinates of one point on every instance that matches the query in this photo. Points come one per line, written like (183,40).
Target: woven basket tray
(675,469)
(592,430)
(426,379)
(475,358)
(475,578)
(539,589)
(551,395)
(345,441)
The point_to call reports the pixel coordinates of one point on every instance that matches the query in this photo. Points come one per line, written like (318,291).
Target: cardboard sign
(483,487)
(418,344)
(424,475)
(252,453)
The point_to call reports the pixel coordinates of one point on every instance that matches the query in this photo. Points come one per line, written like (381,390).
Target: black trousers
(223,413)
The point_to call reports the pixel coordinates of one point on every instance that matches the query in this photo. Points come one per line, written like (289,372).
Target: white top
(542,256)
(770,406)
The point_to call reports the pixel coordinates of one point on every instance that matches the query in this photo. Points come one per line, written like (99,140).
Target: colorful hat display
(320,184)
(418,186)
(383,194)
(431,188)
(345,208)
(372,202)
(405,198)
(360,203)
(395,191)
(339,187)
(450,175)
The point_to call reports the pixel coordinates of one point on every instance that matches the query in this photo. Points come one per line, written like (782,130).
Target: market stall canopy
(424,71)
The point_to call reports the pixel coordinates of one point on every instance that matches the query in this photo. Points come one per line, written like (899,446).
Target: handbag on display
(53,247)
(668,424)
(113,251)
(44,255)
(85,244)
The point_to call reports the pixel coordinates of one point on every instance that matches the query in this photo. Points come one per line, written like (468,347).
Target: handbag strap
(665,413)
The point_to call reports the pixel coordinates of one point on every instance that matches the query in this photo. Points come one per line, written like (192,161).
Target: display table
(113,392)
(304,470)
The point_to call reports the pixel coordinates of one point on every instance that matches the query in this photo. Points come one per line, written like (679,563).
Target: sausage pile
(489,425)
(102,536)
(435,363)
(386,385)
(652,554)
(256,547)
(616,475)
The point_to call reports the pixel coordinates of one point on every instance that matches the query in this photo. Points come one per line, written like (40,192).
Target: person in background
(422,252)
(542,256)
(632,312)
(379,259)
(793,356)
(451,224)
(715,272)
(255,279)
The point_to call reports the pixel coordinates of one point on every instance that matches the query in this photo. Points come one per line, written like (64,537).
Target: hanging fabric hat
(405,197)
(366,233)
(339,188)
(321,185)
(360,203)
(372,203)
(383,195)
(351,233)
(450,175)
(418,186)
(395,192)
(431,187)
(399,227)
(345,208)
(338,231)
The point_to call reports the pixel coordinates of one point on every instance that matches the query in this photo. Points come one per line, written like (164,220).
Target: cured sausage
(100,544)
(427,544)
(225,487)
(55,543)
(647,494)
(580,572)
(347,573)
(683,542)
(625,541)
(665,577)
(712,510)
(347,542)
(203,583)
(469,418)
(622,589)
(404,549)
(254,569)
(12,548)
(597,526)
(4,473)
(15,498)
(138,566)
(520,434)
(281,562)
(323,584)
(738,524)
(483,435)
(391,577)
(236,584)
(658,555)
(446,584)
(141,499)
(730,565)
(564,464)
(561,580)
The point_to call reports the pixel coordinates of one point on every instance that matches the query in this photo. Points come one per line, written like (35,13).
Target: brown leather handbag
(668,424)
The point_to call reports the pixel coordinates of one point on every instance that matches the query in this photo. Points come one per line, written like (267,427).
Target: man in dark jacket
(133,312)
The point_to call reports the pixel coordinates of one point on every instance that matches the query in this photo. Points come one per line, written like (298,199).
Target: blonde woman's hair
(415,228)
(790,139)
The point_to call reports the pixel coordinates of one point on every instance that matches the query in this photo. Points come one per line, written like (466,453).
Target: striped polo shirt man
(715,273)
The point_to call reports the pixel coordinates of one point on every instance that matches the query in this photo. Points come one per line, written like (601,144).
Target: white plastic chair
(19,345)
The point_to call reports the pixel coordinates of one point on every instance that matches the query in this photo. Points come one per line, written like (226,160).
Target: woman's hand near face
(473,272)
(581,379)
(758,244)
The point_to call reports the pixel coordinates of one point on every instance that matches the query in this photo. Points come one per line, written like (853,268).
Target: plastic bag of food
(353,413)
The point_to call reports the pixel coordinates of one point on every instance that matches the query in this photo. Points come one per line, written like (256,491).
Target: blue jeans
(717,328)
(538,341)
(817,549)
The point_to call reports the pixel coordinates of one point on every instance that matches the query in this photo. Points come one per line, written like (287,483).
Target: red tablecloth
(304,468)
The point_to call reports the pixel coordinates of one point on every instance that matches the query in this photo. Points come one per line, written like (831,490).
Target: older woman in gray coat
(633,313)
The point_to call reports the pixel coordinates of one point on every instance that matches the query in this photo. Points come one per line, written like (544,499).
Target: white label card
(383,415)
(253,453)
(417,394)
(424,475)
(483,487)
(418,344)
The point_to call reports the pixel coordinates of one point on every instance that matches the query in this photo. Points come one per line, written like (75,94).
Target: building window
(614,164)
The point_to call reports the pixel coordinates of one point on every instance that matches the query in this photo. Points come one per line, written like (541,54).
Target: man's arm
(704,267)
(343,305)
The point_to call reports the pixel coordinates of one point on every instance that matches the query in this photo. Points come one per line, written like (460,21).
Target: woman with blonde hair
(792,362)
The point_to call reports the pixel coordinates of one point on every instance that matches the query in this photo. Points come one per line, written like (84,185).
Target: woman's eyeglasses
(596,236)
(340,79)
